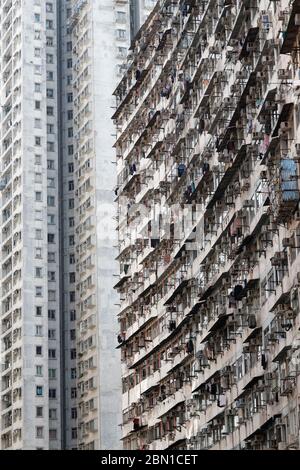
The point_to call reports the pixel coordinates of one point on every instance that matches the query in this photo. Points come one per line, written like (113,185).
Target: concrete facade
(208,147)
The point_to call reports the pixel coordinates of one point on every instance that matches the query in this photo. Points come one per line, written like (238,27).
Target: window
(39,411)
(72,297)
(37,18)
(51,257)
(71,185)
(52,373)
(51,334)
(69,63)
(51,238)
(38,272)
(71,240)
(70,97)
(51,295)
(38,196)
(37,87)
(49,24)
(72,259)
(73,354)
(71,278)
(52,393)
(73,413)
(37,105)
(39,391)
(50,146)
(73,392)
(38,177)
(37,52)
(71,222)
(72,334)
(121,33)
(122,52)
(50,129)
(69,46)
(52,413)
(51,182)
(38,311)
(38,330)
(121,16)
(50,76)
(50,164)
(38,350)
(73,373)
(49,7)
(69,79)
(49,58)
(70,149)
(50,93)
(71,203)
(72,315)
(70,132)
(38,291)
(52,353)
(74,433)
(51,314)
(38,253)
(50,111)
(49,41)
(37,141)
(51,219)
(70,115)
(37,123)
(37,70)
(39,432)
(38,159)
(70,167)
(51,276)
(39,371)
(52,434)
(38,215)
(38,234)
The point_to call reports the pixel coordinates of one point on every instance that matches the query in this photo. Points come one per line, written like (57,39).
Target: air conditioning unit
(263,175)
(249,203)
(242,75)
(297,148)
(262,75)
(285,126)
(258,135)
(288,242)
(282,15)
(251,47)
(284,74)
(268,60)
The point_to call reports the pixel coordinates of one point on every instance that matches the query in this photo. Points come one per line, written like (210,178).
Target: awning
(291,31)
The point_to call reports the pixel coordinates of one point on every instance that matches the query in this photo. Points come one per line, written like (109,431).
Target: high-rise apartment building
(208,145)
(59,64)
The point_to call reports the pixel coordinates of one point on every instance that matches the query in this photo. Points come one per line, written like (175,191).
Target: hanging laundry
(238,292)
(189,346)
(181,169)
(221,401)
(205,167)
(252,321)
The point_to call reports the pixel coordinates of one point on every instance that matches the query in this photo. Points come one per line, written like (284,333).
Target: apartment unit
(208,150)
